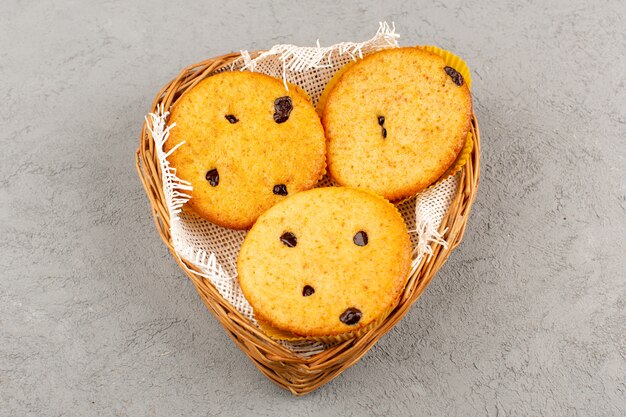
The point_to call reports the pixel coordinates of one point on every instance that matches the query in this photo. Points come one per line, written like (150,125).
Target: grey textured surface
(526,318)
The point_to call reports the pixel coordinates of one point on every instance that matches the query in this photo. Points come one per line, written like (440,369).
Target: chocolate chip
(360,239)
(280,189)
(454,74)
(282,109)
(213,177)
(307,290)
(289,239)
(351,316)
(381,121)
(232,119)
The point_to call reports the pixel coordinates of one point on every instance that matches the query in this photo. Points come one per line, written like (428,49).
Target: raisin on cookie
(249,143)
(325,262)
(395,121)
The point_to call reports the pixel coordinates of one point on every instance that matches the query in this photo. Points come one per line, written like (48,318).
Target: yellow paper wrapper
(452,61)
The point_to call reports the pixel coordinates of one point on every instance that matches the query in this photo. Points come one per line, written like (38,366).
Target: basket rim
(282,366)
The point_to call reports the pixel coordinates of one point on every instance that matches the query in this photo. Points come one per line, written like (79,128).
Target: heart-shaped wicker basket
(286,368)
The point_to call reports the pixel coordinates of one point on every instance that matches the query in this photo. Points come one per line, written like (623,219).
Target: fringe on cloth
(299,59)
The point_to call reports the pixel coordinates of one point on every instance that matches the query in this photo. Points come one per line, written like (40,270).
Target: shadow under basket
(298,374)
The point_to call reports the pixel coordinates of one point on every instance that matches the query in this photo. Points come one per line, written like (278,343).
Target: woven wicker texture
(298,366)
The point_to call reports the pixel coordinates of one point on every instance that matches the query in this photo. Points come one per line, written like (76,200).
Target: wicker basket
(287,369)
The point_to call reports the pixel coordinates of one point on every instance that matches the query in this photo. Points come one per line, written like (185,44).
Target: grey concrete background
(526,318)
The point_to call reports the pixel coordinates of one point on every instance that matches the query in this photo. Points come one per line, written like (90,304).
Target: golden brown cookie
(249,143)
(395,121)
(328,261)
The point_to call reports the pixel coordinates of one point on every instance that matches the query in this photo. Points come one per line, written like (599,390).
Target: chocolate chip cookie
(325,262)
(395,121)
(248,144)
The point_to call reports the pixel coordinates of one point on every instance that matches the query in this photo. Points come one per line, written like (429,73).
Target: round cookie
(395,122)
(249,143)
(325,262)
